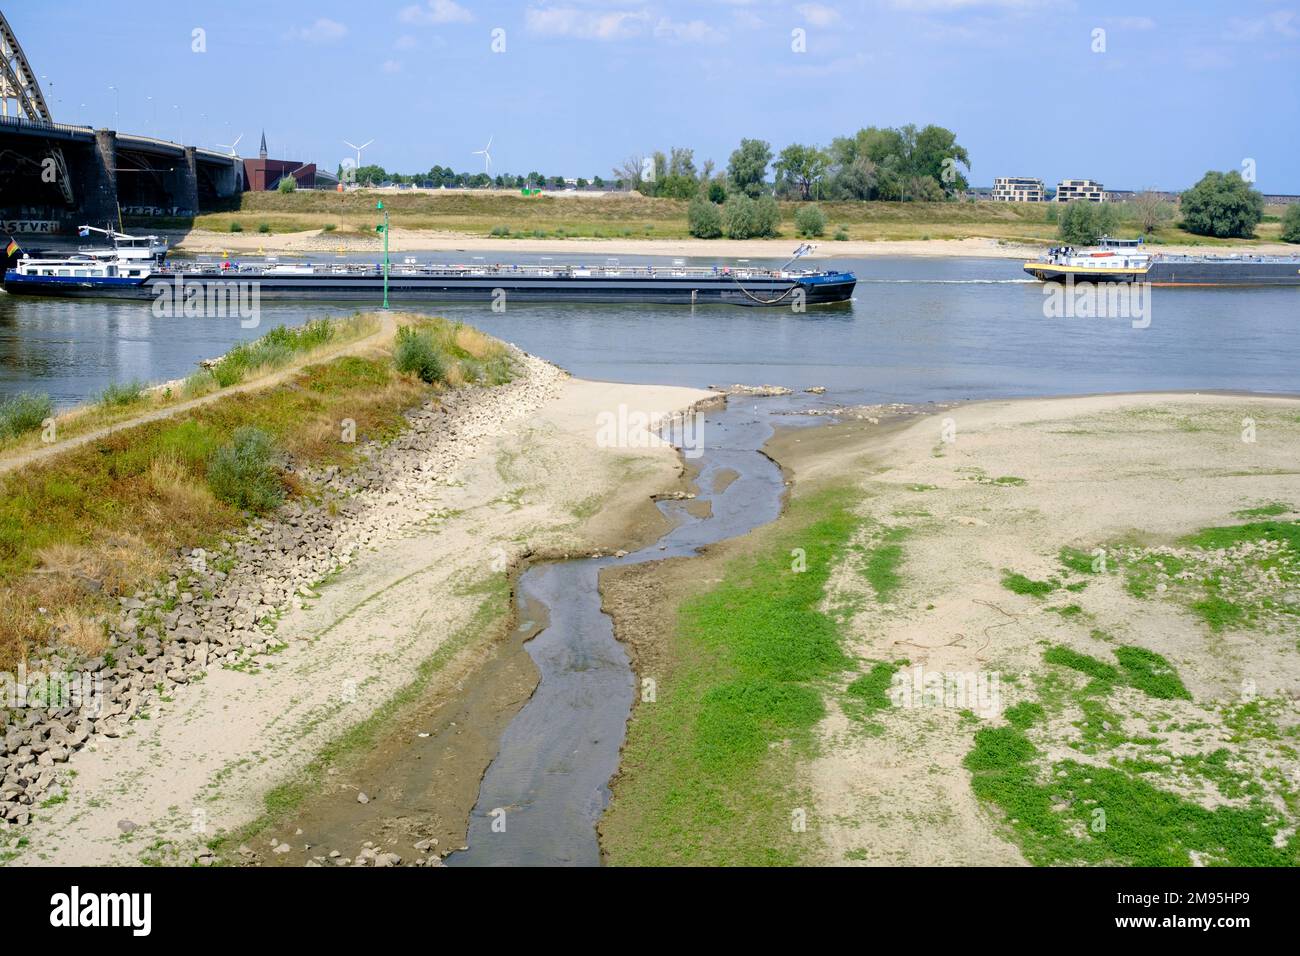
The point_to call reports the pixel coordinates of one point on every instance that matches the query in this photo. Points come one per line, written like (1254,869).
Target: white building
(1018,189)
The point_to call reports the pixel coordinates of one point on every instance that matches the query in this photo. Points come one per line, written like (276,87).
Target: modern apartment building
(1069,190)
(1018,189)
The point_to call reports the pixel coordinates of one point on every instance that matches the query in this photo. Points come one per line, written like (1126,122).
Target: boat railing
(486,271)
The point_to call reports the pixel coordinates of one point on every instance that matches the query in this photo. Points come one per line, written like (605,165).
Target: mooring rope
(756,298)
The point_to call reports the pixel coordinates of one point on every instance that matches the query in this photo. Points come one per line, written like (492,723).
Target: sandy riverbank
(315,242)
(515,470)
(957,567)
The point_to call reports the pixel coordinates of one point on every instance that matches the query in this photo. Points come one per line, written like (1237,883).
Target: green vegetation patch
(1079,814)
(707,766)
(883,560)
(1151,673)
(1019,584)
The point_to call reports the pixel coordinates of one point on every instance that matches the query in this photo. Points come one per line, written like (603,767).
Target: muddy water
(543,794)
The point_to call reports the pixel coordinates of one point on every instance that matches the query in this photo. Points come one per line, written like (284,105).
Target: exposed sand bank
(1020,481)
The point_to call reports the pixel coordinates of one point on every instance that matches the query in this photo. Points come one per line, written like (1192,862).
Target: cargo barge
(1124,260)
(122,272)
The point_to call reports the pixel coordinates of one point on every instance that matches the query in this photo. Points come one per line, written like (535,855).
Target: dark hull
(666,290)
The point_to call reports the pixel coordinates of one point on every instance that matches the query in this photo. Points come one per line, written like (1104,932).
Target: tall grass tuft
(24,412)
(244,472)
(120,394)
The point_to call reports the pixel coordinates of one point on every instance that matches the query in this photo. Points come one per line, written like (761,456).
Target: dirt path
(386,330)
(203,763)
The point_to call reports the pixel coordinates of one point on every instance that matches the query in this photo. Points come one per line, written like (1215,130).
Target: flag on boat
(12,248)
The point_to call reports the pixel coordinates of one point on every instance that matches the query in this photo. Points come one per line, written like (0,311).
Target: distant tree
(747,168)
(1082,223)
(809,222)
(936,155)
(1223,205)
(717,191)
(287,184)
(582,183)
(598,182)
(799,169)
(704,220)
(628,173)
(1291,223)
(681,162)
(1150,210)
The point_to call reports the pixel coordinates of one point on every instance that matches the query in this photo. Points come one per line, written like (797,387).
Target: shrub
(1291,223)
(704,219)
(119,394)
(287,185)
(244,473)
(264,227)
(1223,205)
(717,193)
(24,412)
(500,230)
(809,221)
(415,354)
(235,226)
(328,227)
(841,234)
(769,217)
(1082,223)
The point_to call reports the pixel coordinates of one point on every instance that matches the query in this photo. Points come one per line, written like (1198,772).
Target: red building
(262,174)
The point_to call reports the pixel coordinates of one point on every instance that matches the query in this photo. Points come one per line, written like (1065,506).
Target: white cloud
(1279,23)
(694,31)
(324,30)
(819,15)
(931,6)
(587,24)
(435,12)
(405,42)
(392,66)
(1131,23)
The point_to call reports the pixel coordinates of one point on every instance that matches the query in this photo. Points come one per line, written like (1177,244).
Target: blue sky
(1179,88)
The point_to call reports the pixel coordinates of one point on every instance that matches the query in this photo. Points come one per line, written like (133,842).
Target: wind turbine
(358,149)
(487,156)
(231,146)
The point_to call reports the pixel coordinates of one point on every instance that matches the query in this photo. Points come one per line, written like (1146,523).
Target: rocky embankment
(220,607)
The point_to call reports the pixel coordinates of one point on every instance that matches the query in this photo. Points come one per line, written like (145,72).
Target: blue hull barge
(102,275)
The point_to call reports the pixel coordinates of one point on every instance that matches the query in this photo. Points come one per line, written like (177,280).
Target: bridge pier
(99,187)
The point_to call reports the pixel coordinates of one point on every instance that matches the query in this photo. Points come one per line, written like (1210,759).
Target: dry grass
(108,518)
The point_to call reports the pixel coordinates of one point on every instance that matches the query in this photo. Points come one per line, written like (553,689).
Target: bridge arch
(17,79)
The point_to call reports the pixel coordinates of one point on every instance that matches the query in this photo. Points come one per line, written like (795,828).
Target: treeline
(897,165)
(439,176)
(1222,205)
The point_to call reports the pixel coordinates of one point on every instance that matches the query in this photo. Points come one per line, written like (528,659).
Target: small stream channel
(542,796)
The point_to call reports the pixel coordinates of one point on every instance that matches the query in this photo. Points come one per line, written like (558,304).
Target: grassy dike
(109,516)
(707,774)
(506,214)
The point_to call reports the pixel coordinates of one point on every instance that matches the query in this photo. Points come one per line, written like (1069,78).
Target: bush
(1082,223)
(264,227)
(500,230)
(244,473)
(1291,223)
(287,185)
(24,412)
(235,226)
(415,354)
(119,394)
(809,221)
(704,219)
(1222,205)
(841,234)
(769,217)
(328,227)
(717,193)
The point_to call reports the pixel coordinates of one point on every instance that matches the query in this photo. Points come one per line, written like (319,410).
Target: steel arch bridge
(17,79)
